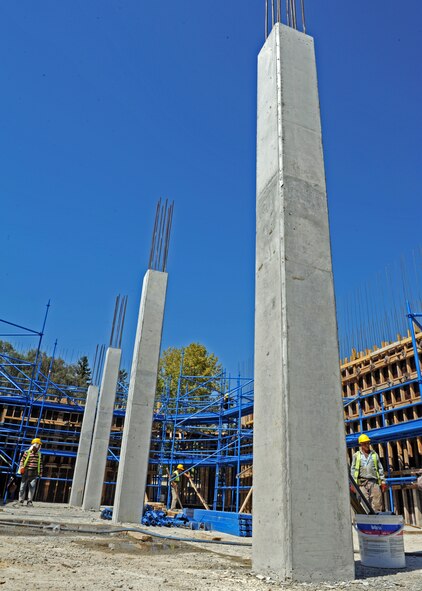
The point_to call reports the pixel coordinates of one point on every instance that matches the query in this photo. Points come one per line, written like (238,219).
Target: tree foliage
(69,374)
(83,372)
(197,361)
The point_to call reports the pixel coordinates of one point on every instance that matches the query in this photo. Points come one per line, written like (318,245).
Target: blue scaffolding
(203,425)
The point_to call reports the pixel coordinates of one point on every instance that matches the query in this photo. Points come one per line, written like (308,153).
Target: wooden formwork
(378,380)
(363,375)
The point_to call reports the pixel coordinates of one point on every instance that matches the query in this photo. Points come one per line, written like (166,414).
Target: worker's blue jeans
(28,483)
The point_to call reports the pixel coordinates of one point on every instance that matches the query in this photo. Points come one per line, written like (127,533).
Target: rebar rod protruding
(292,13)
(161,236)
(118,321)
(123,321)
(113,324)
(94,365)
(294,21)
(302,5)
(99,365)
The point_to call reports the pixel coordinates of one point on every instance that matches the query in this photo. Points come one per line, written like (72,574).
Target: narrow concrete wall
(100,441)
(301,511)
(84,448)
(134,457)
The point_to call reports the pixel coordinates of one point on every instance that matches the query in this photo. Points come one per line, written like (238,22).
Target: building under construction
(207,425)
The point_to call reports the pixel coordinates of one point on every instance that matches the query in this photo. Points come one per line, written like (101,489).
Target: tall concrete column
(134,457)
(100,441)
(84,448)
(301,507)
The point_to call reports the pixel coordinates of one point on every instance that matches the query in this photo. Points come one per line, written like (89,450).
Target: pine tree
(83,372)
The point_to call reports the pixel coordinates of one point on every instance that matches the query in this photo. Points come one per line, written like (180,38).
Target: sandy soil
(50,559)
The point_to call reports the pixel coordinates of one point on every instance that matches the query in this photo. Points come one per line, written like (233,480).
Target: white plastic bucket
(381,541)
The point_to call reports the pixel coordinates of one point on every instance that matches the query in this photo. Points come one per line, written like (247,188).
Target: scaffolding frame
(202,425)
(389,432)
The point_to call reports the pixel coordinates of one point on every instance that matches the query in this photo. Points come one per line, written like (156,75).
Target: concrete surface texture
(100,441)
(134,456)
(53,559)
(301,501)
(84,448)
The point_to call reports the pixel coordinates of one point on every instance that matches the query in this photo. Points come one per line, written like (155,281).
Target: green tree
(83,372)
(61,372)
(199,364)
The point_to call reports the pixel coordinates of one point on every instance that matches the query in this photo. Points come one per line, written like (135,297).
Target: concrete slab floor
(72,561)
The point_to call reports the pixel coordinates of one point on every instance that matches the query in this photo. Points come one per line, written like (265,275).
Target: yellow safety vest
(357,465)
(27,460)
(176,477)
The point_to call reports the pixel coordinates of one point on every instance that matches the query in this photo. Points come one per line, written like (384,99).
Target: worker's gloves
(21,470)
(384,487)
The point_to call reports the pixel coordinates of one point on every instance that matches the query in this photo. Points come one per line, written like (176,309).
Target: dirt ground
(51,559)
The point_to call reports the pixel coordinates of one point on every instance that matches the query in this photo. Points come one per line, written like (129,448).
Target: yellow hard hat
(36,441)
(180,467)
(363,439)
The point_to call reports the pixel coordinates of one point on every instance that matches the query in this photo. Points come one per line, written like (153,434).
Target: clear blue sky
(108,105)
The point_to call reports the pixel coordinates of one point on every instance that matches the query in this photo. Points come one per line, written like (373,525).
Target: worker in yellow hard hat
(368,472)
(30,468)
(175,483)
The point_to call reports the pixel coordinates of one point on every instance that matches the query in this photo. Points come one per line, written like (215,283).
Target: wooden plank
(245,502)
(200,497)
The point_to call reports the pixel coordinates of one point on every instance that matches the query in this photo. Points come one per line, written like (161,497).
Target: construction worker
(30,468)
(175,485)
(368,473)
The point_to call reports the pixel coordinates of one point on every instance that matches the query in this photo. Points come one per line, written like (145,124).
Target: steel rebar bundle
(161,236)
(118,321)
(292,14)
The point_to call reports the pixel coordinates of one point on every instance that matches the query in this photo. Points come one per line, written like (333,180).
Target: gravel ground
(52,560)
